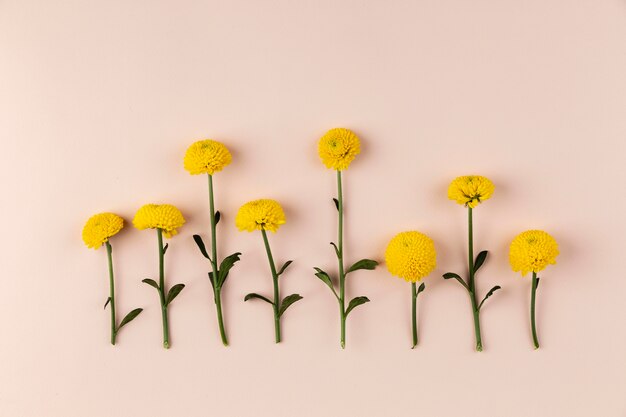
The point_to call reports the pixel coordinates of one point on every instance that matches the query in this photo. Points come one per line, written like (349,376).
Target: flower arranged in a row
(410,255)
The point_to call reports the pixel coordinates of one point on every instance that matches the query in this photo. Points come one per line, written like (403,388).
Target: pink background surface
(99,101)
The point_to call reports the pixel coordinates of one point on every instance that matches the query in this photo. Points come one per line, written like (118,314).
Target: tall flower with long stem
(470,191)
(97,232)
(166,219)
(208,157)
(532,251)
(411,256)
(267,215)
(337,149)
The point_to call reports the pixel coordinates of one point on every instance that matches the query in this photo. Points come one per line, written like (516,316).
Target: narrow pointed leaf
(130,317)
(336,249)
(362,264)
(225,267)
(173,293)
(282,268)
(489,294)
(167,245)
(355,302)
(107,303)
(325,278)
(287,301)
(218,216)
(421,288)
(151,283)
(211,279)
(336,203)
(537,284)
(450,275)
(480,260)
(200,243)
(259,296)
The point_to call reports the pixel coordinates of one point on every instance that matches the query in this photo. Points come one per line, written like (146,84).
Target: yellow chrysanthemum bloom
(338,147)
(159,216)
(206,157)
(470,190)
(100,227)
(261,214)
(532,251)
(411,255)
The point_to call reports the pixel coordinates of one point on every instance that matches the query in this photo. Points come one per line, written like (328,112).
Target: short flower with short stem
(97,233)
(267,215)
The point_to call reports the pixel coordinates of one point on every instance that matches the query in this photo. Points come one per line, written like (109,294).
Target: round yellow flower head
(338,147)
(532,251)
(206,157)
(470,190)
(411,255)
(100,227)
(261,214)
(159,216)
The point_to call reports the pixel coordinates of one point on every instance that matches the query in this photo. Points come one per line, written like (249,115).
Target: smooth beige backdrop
(100,99)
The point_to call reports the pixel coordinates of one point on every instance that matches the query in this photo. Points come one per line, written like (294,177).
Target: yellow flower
(470,190)
(338,147)
(159,216)
(411,255)
(261,214)
(206,157)
(100,227)
(532,251)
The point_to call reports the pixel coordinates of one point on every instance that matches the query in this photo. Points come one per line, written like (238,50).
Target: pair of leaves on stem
(287,301)
(171,294)
(225,266)
(128,318)
(480,260)
(367,264)
(282,307)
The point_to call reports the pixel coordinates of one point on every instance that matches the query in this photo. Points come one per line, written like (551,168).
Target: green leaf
(201,246)
(167,245)
(489,294)
(480,260)
(259,296)
(225,266)
(211,279)
(107,302)
(287,301)
(355,302)
(449,275)
(282,268)
(362,264)
(336,249)
(151,283)
(173,293)
(218,216)
(421,288)
(325,278)
(130,317)
(336,203)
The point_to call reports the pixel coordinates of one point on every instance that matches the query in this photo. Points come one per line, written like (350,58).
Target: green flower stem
(414,312)
(342,275)
(276,303)
(533,295)
(111,292)
(471,284)
(166,331)
(217,287)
